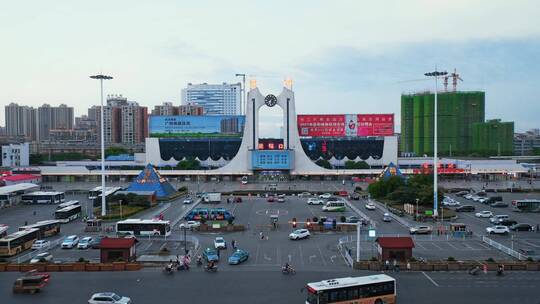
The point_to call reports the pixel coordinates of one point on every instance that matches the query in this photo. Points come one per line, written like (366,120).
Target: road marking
(290,258)
(482,245)
(322,256)
(278,256)
(332,258)
(529,243)
(430,279)
(267,257)
(301,255)
(432,243)
(468,246)
(450,244)
(420,245)
(311,257)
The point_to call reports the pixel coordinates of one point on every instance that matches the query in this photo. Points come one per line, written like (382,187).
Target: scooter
(168,269)
(199,261)
(211,269)
(288,270)
(474,271)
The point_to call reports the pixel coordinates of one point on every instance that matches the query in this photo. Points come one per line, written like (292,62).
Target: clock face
(270,100)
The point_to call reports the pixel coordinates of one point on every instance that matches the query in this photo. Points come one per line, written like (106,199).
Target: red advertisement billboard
(338,125)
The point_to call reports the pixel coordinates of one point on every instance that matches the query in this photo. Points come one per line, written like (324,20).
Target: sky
(343,56)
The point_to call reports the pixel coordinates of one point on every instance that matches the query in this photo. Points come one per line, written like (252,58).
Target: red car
(237,199)
(35,273)
(343,193)
(271,199)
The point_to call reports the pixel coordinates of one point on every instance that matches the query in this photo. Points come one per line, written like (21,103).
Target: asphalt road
(197,286)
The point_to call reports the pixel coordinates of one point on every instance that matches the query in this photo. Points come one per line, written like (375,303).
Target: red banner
(339,125)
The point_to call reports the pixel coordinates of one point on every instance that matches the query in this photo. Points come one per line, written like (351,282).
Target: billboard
(272,160)
(339,125)
(196,126)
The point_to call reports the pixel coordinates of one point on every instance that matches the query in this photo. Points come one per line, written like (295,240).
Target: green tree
(115,151)
(188,164)
(324,163)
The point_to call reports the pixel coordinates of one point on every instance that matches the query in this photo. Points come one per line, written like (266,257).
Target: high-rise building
(216,99)
(20,121)
(457,112)
(16,155)
(493,138)
(53,118)
(527,143)
(124,121)
(166,109)
(191,109)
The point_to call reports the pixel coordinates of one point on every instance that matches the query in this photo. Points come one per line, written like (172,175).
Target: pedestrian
(233,243)
(395,265)
(408,266)
(34,212)
(261,235)
(218,252)
(387,265)
(537,228)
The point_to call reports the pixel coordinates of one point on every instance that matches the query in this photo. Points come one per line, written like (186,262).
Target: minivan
(334,206)
(465,208)
(499,217)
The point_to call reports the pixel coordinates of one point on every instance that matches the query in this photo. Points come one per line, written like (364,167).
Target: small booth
(394,248)
(93,225)
(114,249)
(458,229)
(274,221)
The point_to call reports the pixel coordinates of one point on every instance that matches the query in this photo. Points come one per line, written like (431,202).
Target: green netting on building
(493,137)
(457,111)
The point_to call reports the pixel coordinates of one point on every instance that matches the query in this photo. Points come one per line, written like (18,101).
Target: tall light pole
(244,89)
(101,77)
(435,76)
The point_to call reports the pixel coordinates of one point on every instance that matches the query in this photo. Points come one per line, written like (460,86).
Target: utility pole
(435,76)
(103,199)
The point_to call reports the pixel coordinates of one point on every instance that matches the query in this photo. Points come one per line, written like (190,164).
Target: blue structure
(391,170)
(150,180)
(120,157)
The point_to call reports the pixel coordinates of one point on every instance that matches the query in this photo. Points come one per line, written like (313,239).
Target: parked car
(462,193)
(270,199)
(108,297)
(468,196)
(386,217)
(325,195)
(499,205)
(522,227)
(476,198)
(465,208)
(420,230)
(352,219)
(210,254)
(485,213)
(304,194)
(188,200)
(483,200)
(497,218)
(370,206)
(494,199)
(299,234)
(29,284)
(237,199)
(41,244)
(527,251)
(452,203)
(43,257)
(219,243)
(498,230)
(96,241)
(281,199)
(315,201)
(70,242)
(85,242)
(191,224)
(343,193)
(238,257)
(507,222)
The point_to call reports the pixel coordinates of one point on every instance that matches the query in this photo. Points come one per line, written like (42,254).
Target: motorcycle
(474,271)
(199,261)
(211,269)
(500,271)
(168,269)
(288,270)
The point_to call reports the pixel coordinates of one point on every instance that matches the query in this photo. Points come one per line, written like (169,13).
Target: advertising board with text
(339,125)
(196,126)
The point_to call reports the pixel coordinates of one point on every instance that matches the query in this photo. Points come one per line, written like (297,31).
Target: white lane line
(430,279)
(433,243)
(420,245)
(322,256)
(450,244)
(301,255)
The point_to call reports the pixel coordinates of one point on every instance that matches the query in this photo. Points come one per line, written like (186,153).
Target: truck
(212,198)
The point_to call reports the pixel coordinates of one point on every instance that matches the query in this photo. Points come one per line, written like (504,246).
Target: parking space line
(278,256)
(450,244)
(482,245)
(529,243)
(433,243)
(430,279)
(420,245)
(301,255)
(468,246)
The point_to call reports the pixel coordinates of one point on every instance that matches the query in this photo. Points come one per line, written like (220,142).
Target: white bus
(68,203)
(526,205)
(3,230)
(41,197)
(144,227)
(18,242)
(68,214)
(95,193)
(378,289)
(337,206)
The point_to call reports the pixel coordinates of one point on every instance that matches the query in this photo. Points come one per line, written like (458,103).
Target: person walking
(386,265)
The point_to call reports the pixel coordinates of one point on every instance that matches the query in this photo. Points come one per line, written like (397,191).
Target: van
(465,208)
(498,218)
(493,199)
(334,206)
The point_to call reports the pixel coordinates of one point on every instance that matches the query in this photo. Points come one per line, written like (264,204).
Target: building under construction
(493,137)
(457,112)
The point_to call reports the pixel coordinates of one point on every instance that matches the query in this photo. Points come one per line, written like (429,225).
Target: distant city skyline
(339,59)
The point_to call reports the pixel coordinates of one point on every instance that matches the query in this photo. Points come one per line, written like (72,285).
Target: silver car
(109,298)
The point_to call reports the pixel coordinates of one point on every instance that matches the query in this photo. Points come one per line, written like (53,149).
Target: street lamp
(417,208)
(185,240)
(435,75)
(101,77)
(243,89)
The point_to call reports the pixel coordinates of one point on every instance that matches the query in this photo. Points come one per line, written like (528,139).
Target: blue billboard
(272,159)
(196,126)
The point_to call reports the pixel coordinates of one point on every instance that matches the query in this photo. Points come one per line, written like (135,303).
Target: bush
(451,259)
(343,219)
(182,189)
(490,260)
(82,260)
(230,221)
(374,259)
(529,259)
(120,259)
(413,259)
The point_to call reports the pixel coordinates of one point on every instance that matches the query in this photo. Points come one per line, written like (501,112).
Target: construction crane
(455,77)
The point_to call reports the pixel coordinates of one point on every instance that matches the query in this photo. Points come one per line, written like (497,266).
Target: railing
(363,215)
(344,250)
(503,248)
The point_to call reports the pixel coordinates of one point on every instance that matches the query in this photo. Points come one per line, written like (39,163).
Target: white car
(315,201)
(188,201)
(70,242)
(498,230)
(219,243)
(476,198)
(451,203)
(43,257)
(299,234)
(483,200)
(325,195)
(468,196)
(109,298)
(190,224)
(304,194)
(497,218)
(370,206)
(85,242)
(486,214)
(41,244)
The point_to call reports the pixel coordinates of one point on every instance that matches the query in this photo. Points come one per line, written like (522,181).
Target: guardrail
(395,217)
(503,248)
(344,251)
(362,214)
